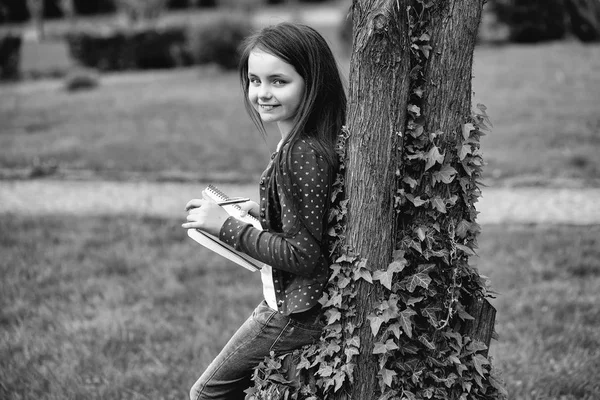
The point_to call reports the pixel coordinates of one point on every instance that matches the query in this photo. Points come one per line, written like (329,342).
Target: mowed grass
(112,308)
(548,309)
(191,123)
(121,307)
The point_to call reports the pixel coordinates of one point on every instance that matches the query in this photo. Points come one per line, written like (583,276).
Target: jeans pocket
(262,314)
(295,335)
(316,327)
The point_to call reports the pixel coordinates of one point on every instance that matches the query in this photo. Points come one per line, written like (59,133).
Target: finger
(194,203)
(194,217)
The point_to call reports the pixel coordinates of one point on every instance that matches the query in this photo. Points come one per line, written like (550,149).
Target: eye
(279,82)
(254,81)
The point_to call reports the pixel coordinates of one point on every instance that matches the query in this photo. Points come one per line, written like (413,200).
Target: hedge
(10,57)
(130,49)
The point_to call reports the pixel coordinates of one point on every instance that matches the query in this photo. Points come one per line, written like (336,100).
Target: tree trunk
(378,95)
(411,167)
(36,9)
(585,19)
(68,9)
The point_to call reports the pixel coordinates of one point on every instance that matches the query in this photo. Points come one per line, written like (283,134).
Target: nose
(264,92)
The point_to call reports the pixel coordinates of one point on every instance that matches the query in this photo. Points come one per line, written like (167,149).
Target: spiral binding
(222,196)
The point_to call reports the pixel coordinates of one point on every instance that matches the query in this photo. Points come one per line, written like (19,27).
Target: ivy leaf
(439,204)
(463,314)
(478,362)
(431,313)
(385,277)
(465,249)
(419,279)
(467,128)
(414,300)
(333,314)
(454,359)
(462,229)
(426,342)
(351,352)
(376,321)
(446,174)
(421,232)
(410,181)
(346,257)
(338,378)
(417,201)
(345,281)
(476,346)
(465,150)
(433,156)
(405,320)
(325,370)
(427,393)
(364,274)
(395,329)
(388,376)
(379,348)
(413,109)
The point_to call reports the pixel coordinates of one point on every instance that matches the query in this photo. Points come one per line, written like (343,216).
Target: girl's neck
(285,128)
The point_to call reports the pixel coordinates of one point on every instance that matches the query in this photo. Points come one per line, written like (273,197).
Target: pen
(235,200)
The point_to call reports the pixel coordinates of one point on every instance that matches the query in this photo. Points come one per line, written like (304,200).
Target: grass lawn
(130,308)
(191,123)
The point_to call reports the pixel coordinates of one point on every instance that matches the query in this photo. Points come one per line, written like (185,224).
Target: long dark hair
(322,111)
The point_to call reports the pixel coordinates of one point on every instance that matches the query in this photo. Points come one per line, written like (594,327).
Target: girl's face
(275,89)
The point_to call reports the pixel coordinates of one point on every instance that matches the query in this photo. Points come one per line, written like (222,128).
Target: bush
(531,21)
(218,41)
(132,49)
(10,57)
(81,79)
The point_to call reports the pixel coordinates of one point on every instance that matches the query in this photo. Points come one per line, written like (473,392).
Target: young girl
(289,76)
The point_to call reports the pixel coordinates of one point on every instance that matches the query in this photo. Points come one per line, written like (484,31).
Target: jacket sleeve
(299,249)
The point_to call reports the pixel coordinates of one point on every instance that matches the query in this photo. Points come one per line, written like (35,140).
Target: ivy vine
(420,349)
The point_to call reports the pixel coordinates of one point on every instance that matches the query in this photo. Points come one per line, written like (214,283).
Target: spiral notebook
(213,243)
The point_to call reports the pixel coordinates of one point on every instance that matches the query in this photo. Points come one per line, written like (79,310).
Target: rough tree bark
(378,96)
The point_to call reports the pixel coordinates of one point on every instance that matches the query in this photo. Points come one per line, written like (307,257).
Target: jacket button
(262,214)
(280,302)
(262,181)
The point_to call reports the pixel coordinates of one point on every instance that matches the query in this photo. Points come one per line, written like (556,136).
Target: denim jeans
(264,331)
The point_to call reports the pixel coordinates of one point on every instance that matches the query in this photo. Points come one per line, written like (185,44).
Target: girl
(290,77)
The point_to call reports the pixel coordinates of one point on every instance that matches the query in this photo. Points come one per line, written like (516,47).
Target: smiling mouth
(267,107)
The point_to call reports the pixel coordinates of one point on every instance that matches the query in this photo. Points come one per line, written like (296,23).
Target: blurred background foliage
(131,34)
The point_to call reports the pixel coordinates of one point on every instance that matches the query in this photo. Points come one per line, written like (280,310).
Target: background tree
(141,10)
(68,9)
(36,10)
(585,19)
(401,287)
(544,20)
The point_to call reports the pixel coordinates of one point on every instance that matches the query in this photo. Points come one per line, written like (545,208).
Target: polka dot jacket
(291,242)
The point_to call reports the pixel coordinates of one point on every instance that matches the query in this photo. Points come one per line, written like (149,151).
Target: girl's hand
(205,214)
(249,207)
